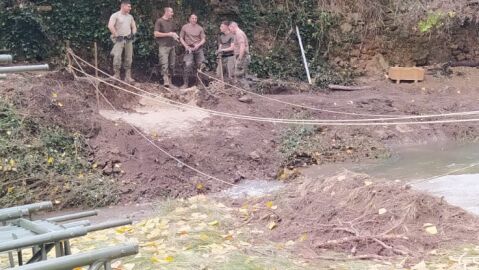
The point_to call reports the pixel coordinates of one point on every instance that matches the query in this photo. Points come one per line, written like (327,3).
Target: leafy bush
(39,163)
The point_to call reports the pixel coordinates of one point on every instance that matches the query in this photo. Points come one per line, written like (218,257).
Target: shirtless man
(241,51)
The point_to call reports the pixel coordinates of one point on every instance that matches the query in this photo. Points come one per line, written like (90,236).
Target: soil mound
(141,172)
(368,218)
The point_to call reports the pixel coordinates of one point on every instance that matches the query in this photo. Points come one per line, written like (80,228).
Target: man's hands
(190,49)
(174,36)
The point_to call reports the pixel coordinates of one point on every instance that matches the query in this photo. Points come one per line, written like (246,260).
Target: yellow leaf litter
(195,233)
(201,233)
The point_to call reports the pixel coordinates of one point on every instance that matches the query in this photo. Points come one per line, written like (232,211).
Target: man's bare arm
(111,27)
(161,34)
(134,29)
(242,49)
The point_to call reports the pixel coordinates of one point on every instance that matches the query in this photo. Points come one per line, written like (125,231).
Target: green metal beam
(13,214)
(34,207)
(84,259)
(43,239)
(5,58)
(108,225)
(18,69)
(73,216)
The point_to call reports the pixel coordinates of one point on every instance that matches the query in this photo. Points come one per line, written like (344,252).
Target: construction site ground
(342,220)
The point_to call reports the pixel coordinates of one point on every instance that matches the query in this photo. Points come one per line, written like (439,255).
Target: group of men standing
(233,46)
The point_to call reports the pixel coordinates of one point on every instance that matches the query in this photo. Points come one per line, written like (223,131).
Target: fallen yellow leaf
(303,237)
(204,237)
(214,223)
(269,204)
(124,229)
(272,225)
(228,237)
(200,186)
(420,266)
(10,189)
(169,259)
(431,230)
(50,160)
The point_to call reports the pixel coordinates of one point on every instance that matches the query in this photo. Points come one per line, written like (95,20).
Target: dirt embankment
(233,149)
(363,217)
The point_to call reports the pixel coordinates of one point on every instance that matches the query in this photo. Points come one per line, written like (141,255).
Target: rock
(346,27)
(355,18)
(254,156)
(461,57)
(238,177)
(245,99)
(108,170)
(115,151)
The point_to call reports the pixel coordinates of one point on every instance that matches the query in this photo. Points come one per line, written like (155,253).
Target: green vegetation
(329,29)
(40,162)
(292,139)
(432,21)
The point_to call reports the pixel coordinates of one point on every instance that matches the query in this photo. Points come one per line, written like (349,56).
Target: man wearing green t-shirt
(166,37)
(226,51)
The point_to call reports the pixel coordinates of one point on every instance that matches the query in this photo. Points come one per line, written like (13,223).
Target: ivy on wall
(36,35)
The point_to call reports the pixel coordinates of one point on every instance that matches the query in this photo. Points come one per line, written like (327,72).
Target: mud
(232,149)
(363,217)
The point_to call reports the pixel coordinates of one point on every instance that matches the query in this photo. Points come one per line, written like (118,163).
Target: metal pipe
(42,239)
(18,69)
(31,226)
(76,224)
(83,259)
(6,58)
(72,216)
(108,225)
(305,62)
(34,207)
(13,214)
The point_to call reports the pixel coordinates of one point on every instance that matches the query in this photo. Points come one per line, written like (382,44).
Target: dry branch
(348,88)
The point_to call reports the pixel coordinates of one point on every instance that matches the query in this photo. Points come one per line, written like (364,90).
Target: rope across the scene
(361,122)
(153,143)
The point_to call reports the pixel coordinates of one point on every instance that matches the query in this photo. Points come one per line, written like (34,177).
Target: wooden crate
(399,74)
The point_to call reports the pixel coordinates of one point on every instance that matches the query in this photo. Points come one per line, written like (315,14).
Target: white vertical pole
(305,62)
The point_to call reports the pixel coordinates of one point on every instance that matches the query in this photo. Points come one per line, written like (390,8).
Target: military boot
(128,77)
(166,81)
(116,75)
(186,81)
